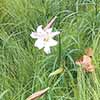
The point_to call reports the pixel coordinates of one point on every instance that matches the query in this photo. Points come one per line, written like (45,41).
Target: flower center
(46,39)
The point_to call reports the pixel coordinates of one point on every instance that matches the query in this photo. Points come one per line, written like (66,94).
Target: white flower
(44,38)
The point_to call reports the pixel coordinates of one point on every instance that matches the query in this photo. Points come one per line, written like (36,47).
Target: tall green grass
(24,69)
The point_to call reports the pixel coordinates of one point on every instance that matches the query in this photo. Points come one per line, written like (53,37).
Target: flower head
(44,38)
(86,63)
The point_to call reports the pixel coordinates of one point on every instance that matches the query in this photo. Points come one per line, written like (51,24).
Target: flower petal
(51,42)
(34,35)
(53,34)
(47,50)
(49,30)
(39,29)
(39,43)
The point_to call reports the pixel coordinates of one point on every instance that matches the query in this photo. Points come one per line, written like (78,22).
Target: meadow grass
(24,69)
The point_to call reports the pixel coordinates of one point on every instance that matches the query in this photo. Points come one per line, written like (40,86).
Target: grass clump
(24,69)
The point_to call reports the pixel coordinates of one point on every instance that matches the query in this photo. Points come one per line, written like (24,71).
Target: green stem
(77,7)
(96,8)
(59,57)
(96,11)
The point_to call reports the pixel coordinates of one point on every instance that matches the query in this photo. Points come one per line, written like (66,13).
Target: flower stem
(59,56)
(96,12)
(96,8)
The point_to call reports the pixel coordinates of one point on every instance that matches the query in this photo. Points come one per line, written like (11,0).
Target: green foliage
(24,69)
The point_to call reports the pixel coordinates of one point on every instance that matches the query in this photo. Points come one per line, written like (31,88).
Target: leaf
(38,94)
(2,94)
(58,71)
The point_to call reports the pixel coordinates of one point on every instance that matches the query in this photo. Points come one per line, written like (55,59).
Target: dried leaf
(58,71)
(89,52)
(86,60)
(89,68)
(79,61)
(86,63)
(50,23)
(37,94)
